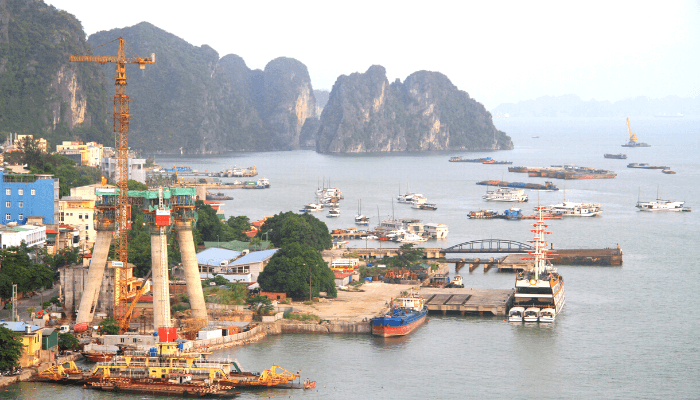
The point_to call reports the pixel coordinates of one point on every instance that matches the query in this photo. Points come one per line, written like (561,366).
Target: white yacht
(516,314)
(540,287)
(506,194)
(361,219)
(410,237)
(662,205)
(570,209)
(333,212)
(313,207)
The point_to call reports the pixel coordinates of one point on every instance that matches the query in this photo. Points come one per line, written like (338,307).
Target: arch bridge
(490,246)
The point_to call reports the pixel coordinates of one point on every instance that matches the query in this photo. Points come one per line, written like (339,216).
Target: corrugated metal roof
(19,326)
(215,255)
(255,256)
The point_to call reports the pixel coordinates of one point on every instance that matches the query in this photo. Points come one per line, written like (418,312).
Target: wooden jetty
(462,300)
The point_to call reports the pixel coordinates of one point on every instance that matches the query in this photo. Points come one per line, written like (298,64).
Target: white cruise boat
(541,287)
(570,209)
(313,207)
(333,212)
(506,194)
(410,237)
(662,205)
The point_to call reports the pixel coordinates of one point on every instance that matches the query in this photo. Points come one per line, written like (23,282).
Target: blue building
(28,195)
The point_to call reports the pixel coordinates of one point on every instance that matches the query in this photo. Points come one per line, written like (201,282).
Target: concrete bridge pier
(161,288)
(88,301)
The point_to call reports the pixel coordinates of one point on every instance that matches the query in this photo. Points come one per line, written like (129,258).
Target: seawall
(290,326)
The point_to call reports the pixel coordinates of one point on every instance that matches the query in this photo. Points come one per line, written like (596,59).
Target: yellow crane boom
(120,118)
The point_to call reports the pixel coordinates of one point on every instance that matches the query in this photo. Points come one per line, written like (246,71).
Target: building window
(20,204)
(20,191)
(80,216)
(21,217)
(8,191)
(7,217)
(8,204)
(33,191)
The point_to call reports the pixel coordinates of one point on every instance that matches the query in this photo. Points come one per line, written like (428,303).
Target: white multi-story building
(12,235)
(137,169)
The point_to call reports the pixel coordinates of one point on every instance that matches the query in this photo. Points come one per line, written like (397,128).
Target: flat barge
(565,172)
(646,166)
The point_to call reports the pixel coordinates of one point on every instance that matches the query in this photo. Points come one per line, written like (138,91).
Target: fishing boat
(668,171)
(457,282)
(506,195)
(540,287)
(405,314)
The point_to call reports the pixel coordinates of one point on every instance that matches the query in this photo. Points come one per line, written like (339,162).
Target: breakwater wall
(324,327)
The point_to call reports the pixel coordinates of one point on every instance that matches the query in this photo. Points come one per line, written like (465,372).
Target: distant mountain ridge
(570,105)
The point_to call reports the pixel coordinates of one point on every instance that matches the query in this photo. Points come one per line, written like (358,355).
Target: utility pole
(14,302)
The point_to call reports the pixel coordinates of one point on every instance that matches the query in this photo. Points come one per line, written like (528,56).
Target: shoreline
(28,374)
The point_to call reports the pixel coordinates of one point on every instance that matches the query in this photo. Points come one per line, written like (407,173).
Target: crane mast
(120,119)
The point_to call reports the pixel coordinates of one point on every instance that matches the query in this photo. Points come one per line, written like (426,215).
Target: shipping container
(216,333)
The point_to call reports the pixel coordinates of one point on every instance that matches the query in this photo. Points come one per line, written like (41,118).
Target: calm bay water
(625,332)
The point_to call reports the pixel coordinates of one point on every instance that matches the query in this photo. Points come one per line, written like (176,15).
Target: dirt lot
(355,306)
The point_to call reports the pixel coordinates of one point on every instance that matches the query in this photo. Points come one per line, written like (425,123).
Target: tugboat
(541,288)
(405,315)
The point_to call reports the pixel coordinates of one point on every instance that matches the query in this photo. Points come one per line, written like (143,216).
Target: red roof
(341,275)
(51,231)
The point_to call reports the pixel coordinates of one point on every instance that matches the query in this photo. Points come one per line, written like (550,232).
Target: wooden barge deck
(462,300)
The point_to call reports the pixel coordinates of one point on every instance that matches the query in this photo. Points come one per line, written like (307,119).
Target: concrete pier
(494,301)
(88,301)
(189,263)
(161,291)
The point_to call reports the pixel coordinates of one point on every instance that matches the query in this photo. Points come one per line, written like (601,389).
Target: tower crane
(120,118)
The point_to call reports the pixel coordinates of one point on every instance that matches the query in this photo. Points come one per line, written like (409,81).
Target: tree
(135,185)
(55,301)
(45,305)
(30,310)
(239,225)
(290,227)
(108,326)
(10,349)
(67,341)
(261,305)
(405,257)
(295,267)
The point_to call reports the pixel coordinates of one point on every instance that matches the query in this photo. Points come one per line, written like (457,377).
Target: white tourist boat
(333,212)
(662,205)
(506,194)
(571,209)
(540,287)
(410,237)
(516,314)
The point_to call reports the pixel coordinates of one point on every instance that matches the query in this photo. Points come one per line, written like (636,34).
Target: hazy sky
(497,51)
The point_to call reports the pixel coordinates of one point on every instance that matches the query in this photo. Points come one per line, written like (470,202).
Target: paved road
(34,301)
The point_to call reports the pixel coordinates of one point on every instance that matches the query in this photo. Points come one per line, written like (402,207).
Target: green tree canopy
(136,185)
(290,227)
(290,269)
(10,349)
(108,326)
(18,268)
(67,341)
(261,305)
(405,257)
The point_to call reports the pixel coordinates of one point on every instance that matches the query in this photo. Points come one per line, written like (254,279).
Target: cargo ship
(405,315)
(565,172)
(548,185)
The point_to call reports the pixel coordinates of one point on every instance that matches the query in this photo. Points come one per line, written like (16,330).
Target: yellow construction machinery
(120,118)
(125,320)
